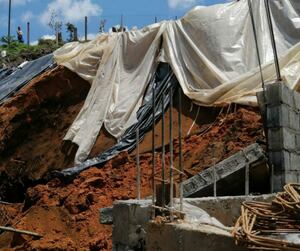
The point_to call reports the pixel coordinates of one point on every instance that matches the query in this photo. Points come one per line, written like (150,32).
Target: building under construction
(183,135)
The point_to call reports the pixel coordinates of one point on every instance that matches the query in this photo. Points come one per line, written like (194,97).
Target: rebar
(261,224)
(276,61)
(215,172)
(153,147)
(215,179)
(180,148)
(163,183)
(138,173)
(272,178)
(256,45)
(171,151)
(247,175)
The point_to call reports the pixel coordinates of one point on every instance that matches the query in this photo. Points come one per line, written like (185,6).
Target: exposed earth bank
(67,214)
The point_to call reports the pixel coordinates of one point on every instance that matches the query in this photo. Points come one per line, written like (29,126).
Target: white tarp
(211,51)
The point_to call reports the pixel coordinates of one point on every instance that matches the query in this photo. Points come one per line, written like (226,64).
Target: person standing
(20,35)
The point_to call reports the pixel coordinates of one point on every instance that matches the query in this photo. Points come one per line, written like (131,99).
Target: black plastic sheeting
(163,80)
(6,72)
(12,83)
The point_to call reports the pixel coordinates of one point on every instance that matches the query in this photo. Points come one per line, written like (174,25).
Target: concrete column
(282,121)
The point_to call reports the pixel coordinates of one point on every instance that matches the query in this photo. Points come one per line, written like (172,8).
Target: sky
(136,13)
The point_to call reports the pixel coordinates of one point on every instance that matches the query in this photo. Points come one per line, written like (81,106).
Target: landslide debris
(67,214)
(32,126)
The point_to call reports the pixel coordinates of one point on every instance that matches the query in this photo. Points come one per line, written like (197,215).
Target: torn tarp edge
(163,80)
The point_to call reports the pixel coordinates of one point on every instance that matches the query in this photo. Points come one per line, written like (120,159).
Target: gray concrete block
(287,95)
(273,94)
(289,139)
(291,177)
(226,168)
(278,93)
(294,162)
(281,138)
(106,215)
(275,139)
(294,119)
(278,116)
(297,100)
(280,160)
(278,181)
(297,142)
(130,222)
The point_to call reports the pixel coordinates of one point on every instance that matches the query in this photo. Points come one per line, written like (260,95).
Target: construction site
(183,135)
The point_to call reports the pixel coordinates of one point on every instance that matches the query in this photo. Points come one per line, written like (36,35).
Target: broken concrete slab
(106,216)
(130,223)
(225,209)
(131,218)
(230,174)
(186,237)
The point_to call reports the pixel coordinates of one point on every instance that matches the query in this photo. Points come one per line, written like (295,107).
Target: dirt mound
(32,126)
(67,215)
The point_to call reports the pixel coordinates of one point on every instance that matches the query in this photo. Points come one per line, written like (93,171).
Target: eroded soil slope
(67,214)
(32,126)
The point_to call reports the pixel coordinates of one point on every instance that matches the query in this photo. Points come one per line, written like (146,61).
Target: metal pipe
(138,177)
(163,151)
(171,151)
(180,147)
(276,61)
(153,147)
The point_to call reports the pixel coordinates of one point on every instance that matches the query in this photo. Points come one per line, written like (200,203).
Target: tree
(72,29)
(102,25)
(6,40)
(55,24)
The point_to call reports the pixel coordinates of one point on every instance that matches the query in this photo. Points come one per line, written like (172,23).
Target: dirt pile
(67,215)
(32,126)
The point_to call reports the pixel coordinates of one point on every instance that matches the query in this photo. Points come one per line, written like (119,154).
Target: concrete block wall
(282,122)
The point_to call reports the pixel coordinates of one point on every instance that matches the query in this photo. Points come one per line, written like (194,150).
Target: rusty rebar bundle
(263,226)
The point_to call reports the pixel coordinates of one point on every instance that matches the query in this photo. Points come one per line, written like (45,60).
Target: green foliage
(19,52)
(72,30)
(5,40)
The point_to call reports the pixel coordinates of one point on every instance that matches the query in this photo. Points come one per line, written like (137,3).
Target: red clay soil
(67,215)
(32,126)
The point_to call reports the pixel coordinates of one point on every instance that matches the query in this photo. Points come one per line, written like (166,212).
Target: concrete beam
(230,173)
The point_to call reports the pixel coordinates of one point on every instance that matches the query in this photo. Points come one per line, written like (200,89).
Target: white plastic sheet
(211,50)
